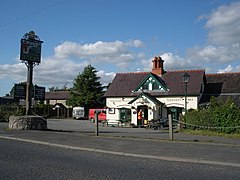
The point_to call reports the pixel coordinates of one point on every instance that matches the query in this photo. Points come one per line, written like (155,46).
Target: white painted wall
(116,104)
(192,102)
(153,111)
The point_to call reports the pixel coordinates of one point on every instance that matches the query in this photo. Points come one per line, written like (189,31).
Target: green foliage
(8,110)
(41,109)
(11,93)
(55,88)
(220,116)
(87,90)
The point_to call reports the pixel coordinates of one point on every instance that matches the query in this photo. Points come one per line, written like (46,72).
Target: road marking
(165,158)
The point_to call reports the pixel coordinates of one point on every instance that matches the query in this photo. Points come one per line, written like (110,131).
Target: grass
(211,133)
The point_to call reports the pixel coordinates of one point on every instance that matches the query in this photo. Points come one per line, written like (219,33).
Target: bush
(220,116)
(42,109)
(10,109)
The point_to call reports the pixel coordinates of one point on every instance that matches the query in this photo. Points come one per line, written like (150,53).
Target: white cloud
(15,71)
(174,62)
(229,68)
(238,68)
(135,43)
(69,60)
(215,54)
(106,77)
(171,62)
(224,24)
(57,72)
(223,48)
(111,52)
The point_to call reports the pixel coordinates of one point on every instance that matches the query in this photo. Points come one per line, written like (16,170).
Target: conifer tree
(87,90)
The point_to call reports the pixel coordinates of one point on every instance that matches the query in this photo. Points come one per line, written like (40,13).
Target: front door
(144,110)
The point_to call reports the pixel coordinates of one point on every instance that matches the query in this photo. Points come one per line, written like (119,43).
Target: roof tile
(124,83)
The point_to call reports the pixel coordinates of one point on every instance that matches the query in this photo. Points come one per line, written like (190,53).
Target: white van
(78,113)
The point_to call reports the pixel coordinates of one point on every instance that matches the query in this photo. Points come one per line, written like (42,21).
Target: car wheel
(92,120)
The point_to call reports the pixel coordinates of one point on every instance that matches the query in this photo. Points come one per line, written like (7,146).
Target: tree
(11,93)
(63,88)
(87,90)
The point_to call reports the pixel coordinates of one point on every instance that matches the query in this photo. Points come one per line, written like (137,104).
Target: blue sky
(118,36)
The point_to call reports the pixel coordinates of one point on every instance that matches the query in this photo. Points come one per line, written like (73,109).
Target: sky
(117,36)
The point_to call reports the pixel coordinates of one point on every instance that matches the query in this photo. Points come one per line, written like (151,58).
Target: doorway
(144,110)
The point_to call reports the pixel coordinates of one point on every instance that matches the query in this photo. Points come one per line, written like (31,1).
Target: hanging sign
(31,50)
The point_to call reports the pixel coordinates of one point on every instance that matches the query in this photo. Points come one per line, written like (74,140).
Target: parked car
(78,113)
(101,115)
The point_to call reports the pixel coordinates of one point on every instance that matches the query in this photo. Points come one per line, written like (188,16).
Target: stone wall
(27,123)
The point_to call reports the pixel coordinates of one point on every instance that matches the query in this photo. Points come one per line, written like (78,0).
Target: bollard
(170,123)
(96,122)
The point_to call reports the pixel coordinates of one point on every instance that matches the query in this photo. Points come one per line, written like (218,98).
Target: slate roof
(173,80)
(222,83)
(124,83)
(57,95)
(7,100)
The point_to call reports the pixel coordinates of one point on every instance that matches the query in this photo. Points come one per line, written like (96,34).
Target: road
(24,160)
(86,127)
(70,150)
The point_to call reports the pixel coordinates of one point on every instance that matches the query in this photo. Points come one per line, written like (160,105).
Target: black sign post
(39,93)
(20,91)
(30,53)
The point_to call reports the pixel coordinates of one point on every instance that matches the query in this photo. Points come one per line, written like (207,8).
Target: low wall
(27,123)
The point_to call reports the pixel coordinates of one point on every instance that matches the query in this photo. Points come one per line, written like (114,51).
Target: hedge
(219,115)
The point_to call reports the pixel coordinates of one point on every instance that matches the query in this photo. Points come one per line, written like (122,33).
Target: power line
(31,14)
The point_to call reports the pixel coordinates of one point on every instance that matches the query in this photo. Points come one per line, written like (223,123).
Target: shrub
(10,109)
(220,116)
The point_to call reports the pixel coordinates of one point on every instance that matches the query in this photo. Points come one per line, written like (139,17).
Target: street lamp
(185,78)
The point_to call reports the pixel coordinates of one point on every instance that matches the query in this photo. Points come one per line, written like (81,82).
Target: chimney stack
(158,66)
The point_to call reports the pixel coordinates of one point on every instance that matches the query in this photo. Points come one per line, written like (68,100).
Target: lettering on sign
(39,93)
(20,91)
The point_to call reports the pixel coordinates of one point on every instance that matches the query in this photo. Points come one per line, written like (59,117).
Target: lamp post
(185,78)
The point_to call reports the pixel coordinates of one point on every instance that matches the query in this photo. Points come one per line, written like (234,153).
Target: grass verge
(211,133)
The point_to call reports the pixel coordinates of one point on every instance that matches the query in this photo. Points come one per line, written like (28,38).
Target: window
(145,86)
(155,86)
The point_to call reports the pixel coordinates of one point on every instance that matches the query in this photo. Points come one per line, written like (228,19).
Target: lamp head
(185,78)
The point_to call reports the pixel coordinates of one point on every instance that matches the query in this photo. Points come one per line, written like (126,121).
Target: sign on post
(39,93)
(31,50)
(19,91)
